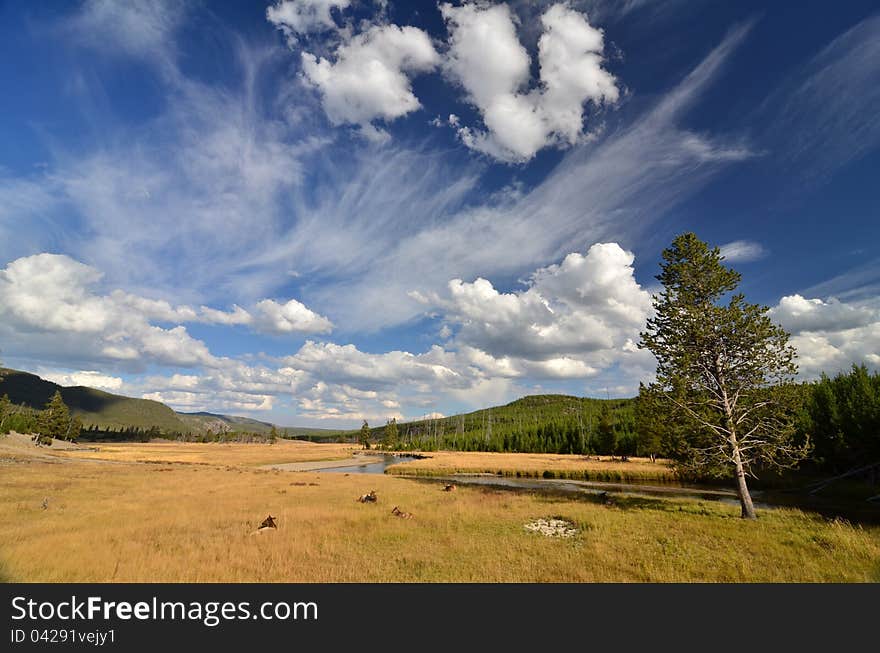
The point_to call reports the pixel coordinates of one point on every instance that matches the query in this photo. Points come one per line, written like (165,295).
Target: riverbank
(526,465)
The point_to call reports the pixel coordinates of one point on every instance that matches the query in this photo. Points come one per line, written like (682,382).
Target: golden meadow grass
(588,468)
(191,523)
(213,452)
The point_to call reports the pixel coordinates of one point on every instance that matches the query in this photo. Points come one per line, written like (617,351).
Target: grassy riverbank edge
(546,466)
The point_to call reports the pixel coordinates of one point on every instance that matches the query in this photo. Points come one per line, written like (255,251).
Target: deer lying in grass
(449,487)
(369,498)
(397,512)
(268,524)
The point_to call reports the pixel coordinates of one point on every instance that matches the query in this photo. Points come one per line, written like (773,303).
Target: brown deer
(449,487)
(267,525)
(369,498)
(397,512)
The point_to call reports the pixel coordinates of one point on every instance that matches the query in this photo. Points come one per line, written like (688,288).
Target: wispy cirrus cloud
(857,283)
(158,206)
(743,251)
(144,30)
(825,115)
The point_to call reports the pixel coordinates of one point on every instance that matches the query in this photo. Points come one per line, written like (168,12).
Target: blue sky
(321,211)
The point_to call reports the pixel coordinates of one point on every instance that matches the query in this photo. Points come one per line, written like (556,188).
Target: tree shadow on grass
(630,502)
(623,502)
(721,507)
(633,503)
(715,509)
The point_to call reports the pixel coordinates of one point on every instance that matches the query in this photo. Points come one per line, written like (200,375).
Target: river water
(546,485)
(377,467)
(763,499)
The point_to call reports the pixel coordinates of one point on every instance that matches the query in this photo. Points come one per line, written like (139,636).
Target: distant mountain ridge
(216,422)
(105,410)
(94,407)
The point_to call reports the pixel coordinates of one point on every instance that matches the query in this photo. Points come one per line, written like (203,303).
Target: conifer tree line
(145,434)
(535,424)
(839,416)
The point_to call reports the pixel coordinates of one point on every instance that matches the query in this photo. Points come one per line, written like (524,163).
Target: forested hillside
(107,416)
(95,408)
(535,424)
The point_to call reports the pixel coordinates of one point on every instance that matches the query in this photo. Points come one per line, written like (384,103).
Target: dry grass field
(543,465)
(211,453)
(160,522)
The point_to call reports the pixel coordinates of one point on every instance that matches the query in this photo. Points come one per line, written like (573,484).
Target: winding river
(378,463)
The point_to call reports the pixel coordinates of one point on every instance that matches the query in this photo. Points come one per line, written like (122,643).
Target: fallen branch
(821,485)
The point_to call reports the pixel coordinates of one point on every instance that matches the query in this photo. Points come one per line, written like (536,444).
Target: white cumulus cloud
(368,79)
(51,306)
(47,303)
(290,317)
(298,17)
(487,59)
(588,305)
(237,315)
(830,335)
(87,378)
(796,314)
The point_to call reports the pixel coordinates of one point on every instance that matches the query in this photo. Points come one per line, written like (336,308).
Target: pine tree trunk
(742,490)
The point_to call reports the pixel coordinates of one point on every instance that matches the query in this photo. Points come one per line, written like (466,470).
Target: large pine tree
(364,436)
(5,411)
(389,436)
(54,420)
(724,370)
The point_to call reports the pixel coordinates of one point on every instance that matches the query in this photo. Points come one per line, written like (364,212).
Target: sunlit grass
(592,468)
(192,523)
(213,453)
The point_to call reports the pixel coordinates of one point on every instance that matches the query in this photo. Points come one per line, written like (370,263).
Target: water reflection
(376,467)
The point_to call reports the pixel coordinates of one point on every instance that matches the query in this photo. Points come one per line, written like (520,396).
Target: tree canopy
(364,435)
(389,439)
(54,421)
